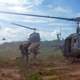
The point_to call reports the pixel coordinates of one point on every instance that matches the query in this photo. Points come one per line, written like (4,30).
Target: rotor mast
(78,27)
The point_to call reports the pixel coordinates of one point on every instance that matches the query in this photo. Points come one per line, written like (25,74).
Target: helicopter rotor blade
(33,15)
(24,26)
(18,24)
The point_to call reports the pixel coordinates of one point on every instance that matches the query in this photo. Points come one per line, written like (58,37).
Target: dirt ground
(47,69)
(61,70)
(10,74)
(9,71)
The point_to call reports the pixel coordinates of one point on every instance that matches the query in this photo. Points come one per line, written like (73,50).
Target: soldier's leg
(36,50)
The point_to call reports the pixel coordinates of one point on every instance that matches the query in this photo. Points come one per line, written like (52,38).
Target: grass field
(10,51)
(50,64)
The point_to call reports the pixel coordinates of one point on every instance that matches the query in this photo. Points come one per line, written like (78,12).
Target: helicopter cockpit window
(75,43)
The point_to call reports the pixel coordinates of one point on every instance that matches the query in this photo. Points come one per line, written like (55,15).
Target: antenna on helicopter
(59,35)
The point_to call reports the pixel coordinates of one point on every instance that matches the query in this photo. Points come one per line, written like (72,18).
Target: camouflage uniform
(34,41)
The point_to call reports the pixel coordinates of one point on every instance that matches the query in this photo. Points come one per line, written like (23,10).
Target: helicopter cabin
(72,45)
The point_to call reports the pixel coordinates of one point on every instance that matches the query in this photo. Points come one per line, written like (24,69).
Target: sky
(48,28)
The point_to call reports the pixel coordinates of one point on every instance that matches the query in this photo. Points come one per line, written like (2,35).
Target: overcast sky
(48,28)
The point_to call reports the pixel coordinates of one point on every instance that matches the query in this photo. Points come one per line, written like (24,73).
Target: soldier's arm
(39,36)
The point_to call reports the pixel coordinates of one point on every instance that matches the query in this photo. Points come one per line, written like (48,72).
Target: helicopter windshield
(76,42)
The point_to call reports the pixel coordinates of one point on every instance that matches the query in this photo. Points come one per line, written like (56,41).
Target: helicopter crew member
(34,40)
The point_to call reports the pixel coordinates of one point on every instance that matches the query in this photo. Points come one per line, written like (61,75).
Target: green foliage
(35,76)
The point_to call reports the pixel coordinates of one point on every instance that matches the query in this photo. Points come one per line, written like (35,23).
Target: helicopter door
(74,44)
(68,45)
(79,43)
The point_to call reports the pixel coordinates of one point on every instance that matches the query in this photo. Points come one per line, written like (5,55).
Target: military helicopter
(16,24)
(4,38)
(71,47)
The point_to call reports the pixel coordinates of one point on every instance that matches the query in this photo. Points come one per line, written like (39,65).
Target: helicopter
(71,46)
(3,38)
(16,24)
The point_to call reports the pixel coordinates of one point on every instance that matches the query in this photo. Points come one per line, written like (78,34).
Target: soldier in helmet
(34,40)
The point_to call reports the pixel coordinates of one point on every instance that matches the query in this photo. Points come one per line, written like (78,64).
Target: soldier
(34,41)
